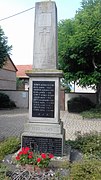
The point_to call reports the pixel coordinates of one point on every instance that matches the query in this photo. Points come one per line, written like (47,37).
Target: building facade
(21,74)
(8,75)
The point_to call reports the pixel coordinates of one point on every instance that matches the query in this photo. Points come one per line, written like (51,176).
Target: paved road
(12,123)
(74,123)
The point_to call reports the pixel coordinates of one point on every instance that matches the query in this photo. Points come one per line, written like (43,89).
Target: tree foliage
(4,48)
(19,84)
(79,42)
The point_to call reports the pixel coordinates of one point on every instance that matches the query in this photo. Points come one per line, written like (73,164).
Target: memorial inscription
(44,19)
(44,144)
(43,99)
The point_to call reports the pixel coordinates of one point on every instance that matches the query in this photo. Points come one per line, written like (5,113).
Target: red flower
(27,148)
(20,153)
(51,156)
(17,158)
(30,157)
(38,160)
(25,152)
(43,156)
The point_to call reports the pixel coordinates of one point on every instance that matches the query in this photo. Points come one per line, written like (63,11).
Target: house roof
(21,70)
(9,65)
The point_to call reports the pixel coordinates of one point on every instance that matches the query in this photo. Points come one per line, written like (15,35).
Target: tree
(4,48)
(79,43)
(19,84)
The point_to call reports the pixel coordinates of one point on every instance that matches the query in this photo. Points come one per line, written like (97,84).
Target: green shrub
(3,170)
(8,146)
(86,170)
(5,101)
(92,113)
(79,104)
(89,144)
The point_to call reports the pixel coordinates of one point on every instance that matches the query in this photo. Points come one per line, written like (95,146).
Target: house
(8,75)
(22,75)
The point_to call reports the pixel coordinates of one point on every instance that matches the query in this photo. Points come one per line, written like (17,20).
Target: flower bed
(27,157)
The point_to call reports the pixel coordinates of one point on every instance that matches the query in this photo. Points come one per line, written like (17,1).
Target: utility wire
(16,14)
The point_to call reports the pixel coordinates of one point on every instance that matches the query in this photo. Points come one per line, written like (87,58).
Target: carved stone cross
(44,39)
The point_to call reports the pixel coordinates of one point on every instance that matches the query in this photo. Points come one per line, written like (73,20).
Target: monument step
(44,134)
(44,128)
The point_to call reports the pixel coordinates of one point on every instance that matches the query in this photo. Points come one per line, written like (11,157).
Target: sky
(20,29)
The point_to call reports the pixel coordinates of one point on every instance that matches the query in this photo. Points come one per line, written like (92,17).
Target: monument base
(44,132)
(44,142)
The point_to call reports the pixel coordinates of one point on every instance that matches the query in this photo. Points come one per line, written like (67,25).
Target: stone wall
(19,97)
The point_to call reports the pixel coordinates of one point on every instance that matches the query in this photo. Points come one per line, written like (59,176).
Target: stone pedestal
(44,131)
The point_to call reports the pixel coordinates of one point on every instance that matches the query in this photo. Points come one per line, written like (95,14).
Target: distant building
(22,75)
(8,75)
(83,90)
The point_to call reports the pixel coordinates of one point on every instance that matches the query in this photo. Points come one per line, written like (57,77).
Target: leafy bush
(92,113)
(9,146)
(79,104)
(89,144)
(88,170)
(3,171)
(5,101)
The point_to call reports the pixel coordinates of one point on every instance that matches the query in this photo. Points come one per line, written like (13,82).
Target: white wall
(84,90)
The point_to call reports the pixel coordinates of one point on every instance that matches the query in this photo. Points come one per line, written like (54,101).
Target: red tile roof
(22,69)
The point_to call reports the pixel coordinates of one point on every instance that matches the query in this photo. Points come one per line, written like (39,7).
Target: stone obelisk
(44,131)
(45,36)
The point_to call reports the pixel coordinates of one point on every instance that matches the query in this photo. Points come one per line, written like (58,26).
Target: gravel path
(74,123)
(12,123)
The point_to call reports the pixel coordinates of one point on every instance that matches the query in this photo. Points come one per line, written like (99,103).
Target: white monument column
(45,36)
(44,131)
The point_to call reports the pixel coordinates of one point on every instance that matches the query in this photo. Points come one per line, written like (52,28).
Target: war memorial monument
(44,130)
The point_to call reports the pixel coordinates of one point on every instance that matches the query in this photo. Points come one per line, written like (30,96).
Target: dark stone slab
(43,144)
(43,95)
